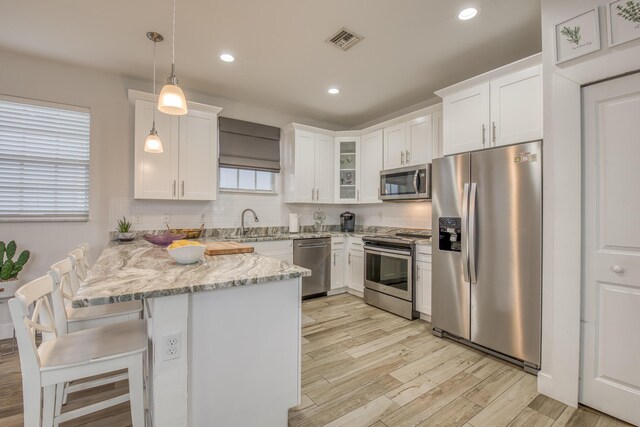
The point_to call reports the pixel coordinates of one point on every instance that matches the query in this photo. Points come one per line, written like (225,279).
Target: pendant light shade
(153,144)
(172,100)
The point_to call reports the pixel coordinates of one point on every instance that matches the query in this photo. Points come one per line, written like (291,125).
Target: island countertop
(137,270)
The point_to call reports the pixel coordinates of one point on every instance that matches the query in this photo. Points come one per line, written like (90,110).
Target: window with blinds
(44,161)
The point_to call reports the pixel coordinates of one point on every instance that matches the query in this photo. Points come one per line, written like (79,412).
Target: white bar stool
(89,317)
(62,358)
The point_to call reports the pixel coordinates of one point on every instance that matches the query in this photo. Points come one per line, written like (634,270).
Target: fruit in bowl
(186,252)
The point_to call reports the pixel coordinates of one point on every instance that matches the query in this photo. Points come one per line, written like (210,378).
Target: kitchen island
(224,333)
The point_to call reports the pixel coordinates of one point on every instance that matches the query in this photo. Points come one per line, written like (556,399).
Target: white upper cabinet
(419,141)
(307,165)
(516,107)
(394,146)
(198,155)
(466,120)
(409,143)
(323,168)
(436,130)
(348,167)
(187,168)
(501,107)
(371,165)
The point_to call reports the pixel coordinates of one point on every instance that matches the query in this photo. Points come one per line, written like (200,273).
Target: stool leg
(60,396)
(31,394)
(48,406)
(136,390)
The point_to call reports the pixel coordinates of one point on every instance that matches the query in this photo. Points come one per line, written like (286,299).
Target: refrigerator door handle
(465,232)
(472,234)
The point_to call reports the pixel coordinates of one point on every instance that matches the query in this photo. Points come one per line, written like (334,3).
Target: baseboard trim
(355,293)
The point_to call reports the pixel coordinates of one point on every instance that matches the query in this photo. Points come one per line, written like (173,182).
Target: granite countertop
(287,236)
(137,270)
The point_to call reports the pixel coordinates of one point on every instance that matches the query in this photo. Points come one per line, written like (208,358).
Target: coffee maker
(347,222)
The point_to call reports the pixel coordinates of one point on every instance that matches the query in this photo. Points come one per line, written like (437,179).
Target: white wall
(562,196)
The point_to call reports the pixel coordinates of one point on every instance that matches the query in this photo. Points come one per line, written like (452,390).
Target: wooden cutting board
(227,248)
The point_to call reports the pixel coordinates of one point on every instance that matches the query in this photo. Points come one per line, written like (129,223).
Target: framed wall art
(623,21)
(577,36)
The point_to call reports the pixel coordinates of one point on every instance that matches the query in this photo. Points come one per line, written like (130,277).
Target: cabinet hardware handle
(418,270)
(483,134)
(317,194)
(406,157)
(174,188)
(183,188)
(349,258)
(493,137)
(617,269)
(402,157)
(334,259)
(313,194)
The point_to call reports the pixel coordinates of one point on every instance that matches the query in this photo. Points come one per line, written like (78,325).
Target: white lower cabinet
(355,264)
(337,262)
(423,279)
(281,249)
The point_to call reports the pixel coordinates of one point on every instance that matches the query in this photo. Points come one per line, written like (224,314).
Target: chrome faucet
(255,217)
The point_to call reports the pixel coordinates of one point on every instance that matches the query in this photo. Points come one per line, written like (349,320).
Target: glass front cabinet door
(347,180)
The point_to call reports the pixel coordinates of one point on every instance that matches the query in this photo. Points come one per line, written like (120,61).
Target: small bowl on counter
(164,239)
(186,252)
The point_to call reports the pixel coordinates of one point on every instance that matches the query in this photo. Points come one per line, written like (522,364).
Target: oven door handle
(376,249)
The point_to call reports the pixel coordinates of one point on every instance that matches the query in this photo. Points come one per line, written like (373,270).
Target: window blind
(246,145)
(44,162)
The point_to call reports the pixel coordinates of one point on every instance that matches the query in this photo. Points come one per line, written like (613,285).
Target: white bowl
(187,254)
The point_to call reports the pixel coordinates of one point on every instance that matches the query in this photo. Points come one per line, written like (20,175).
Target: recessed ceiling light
(334,91)
(227,57)
(467,13)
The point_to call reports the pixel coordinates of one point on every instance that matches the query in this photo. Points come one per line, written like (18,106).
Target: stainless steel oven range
(389,267)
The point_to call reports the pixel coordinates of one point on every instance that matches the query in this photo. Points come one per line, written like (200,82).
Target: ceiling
(410,49)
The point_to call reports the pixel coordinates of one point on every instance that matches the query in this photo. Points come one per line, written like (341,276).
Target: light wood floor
(364,367)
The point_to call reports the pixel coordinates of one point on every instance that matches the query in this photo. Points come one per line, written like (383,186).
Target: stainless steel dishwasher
(314,254)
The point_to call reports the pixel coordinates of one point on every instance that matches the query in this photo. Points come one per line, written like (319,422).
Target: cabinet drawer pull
(174,188)
(183,188)
(484,130)
(313,194)
(349,258)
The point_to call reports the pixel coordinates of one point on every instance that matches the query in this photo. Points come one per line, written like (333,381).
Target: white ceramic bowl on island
(187,254)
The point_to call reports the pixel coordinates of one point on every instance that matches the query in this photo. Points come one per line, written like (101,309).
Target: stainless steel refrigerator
(487,268)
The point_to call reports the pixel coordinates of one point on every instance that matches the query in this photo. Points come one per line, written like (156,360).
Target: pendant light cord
(154,84)
(173,43)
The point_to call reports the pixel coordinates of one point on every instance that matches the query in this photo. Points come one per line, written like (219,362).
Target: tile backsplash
(272,212)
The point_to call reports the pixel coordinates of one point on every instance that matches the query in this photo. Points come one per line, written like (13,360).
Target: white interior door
(610,353)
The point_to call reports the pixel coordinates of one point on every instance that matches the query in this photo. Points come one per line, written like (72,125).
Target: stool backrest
(43,294)
(85,249)
(66,279)
(77,257)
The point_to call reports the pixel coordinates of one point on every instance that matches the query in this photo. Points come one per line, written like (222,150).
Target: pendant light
(172,100)
(153,144)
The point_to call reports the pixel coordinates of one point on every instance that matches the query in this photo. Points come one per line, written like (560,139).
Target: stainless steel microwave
(408,183)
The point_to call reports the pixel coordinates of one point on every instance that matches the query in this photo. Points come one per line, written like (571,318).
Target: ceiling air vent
(344,39)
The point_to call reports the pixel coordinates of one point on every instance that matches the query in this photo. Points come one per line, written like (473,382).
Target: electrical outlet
(167,218)
(202,215)
(172,347)
(137,218)
(380,214)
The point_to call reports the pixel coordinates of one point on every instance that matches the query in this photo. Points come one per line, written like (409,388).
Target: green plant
(123,225)
(630,11)
(572,34)
(9,269)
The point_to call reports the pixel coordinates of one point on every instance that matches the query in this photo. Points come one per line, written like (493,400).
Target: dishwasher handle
(311,245)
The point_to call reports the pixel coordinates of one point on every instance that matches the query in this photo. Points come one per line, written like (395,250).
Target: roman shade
(246,145)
